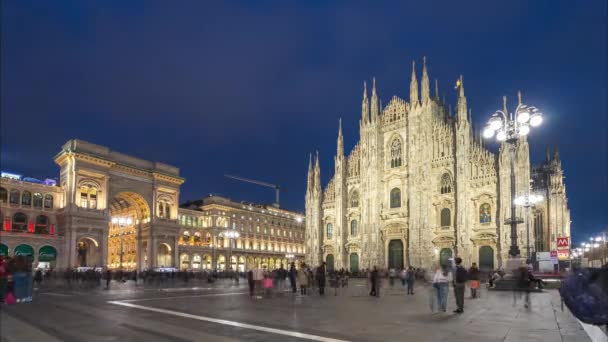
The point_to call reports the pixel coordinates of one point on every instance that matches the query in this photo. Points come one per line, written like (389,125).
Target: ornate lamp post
(508,128)
(122,222)
(527,201)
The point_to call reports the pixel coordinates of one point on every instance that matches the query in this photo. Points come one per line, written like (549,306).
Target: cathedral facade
(420,187)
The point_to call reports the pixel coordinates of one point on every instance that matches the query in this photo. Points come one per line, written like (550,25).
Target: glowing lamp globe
(536,120)
(488,132)
(524,130)
(501,135)
(523,116)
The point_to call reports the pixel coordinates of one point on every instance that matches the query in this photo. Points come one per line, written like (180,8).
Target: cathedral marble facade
(420,187)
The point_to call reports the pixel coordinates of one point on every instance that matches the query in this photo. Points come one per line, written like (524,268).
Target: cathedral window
(485,213)
(446,217)
(354,228)
(330,231)
(354,199)
(396,153)
(395,198)
(446,184)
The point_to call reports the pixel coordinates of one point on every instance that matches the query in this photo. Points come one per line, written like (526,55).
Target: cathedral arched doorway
(444,256)
(329,262)
(87,252)
(486,258)
(128,212)
(395,254)
(354,263)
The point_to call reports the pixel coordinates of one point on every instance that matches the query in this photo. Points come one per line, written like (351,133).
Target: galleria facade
(420,187)
(118,211)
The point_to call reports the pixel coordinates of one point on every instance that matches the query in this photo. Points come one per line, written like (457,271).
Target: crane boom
(253,181)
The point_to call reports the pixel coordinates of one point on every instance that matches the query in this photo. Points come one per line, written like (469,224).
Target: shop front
(47,257)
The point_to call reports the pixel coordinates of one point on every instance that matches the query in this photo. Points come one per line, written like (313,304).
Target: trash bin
(23,287)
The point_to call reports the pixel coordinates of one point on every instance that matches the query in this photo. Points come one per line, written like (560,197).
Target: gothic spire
(436,90)
(414,86)
(365,105)
(374,102)
(556,154)
(519,97)
(461,111)
(425,88)
(317,174)
(310,179)
(340,145)
(548,154)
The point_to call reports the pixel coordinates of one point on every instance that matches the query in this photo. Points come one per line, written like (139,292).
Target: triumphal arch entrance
(120,211)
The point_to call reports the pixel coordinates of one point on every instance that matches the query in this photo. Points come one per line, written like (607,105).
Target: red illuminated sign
(563,242)
(52,231)
(554,254)
(7,225)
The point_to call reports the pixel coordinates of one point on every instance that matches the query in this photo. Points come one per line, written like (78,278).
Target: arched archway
(486,258)
(329,262)
(395,254)
(128,212)
(163,255)
(87,252)
(444,256)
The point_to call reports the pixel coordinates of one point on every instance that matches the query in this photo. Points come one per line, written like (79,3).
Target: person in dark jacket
(460,280)
(373,278)
(321,278)
(251,283)
(292,277)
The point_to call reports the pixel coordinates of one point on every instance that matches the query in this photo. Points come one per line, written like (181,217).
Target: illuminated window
(26,198)
(37,200)
(48,201)
(14,198)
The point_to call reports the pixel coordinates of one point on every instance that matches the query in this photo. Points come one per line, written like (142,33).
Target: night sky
(250,88)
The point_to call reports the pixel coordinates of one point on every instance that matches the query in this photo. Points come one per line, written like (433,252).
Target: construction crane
(276,188)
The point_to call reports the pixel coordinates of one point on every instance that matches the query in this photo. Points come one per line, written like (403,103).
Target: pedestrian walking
(251,283)
(292,277)
(320,275)
(281,275)
(108,279)
(374,280)
(460,279)
(441,283)
(38,277)
(302,279)
(391,276)
(410,279)
(474,280)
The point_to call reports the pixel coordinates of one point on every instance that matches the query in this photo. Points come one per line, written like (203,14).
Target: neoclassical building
(113,210)
(420,187)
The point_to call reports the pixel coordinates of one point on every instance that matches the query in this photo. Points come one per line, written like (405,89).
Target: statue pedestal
(513,264)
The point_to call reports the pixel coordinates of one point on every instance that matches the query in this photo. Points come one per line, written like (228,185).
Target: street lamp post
(122,222)
(509,127)
(528,200)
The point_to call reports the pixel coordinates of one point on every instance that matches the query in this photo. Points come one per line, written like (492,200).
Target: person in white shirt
(441,283)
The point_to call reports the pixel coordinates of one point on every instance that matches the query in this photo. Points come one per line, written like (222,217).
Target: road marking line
(178,297)
(231,323)
(56,294)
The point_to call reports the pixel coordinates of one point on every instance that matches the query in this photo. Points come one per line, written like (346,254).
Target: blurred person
(460,279)
(374,282)
(292,277)
(410,279)
(441,283)
(474,280)
(302,279)
(320,277)
(251,283)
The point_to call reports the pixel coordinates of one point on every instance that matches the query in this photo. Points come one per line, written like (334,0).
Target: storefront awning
(25,250)
(3,250)
(47,253)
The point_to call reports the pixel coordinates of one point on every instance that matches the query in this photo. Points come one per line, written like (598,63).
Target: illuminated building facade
(112,210)
(420,187)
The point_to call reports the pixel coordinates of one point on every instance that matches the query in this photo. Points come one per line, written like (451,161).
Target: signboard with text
(563,255)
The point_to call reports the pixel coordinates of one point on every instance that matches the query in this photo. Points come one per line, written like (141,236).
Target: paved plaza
(225,312)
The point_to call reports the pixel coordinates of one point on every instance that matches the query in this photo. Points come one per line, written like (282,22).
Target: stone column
(104,249)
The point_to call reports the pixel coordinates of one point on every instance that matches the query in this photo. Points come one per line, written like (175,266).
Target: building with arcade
(113,210)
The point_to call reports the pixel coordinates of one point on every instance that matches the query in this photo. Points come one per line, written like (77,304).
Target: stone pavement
(226,313)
